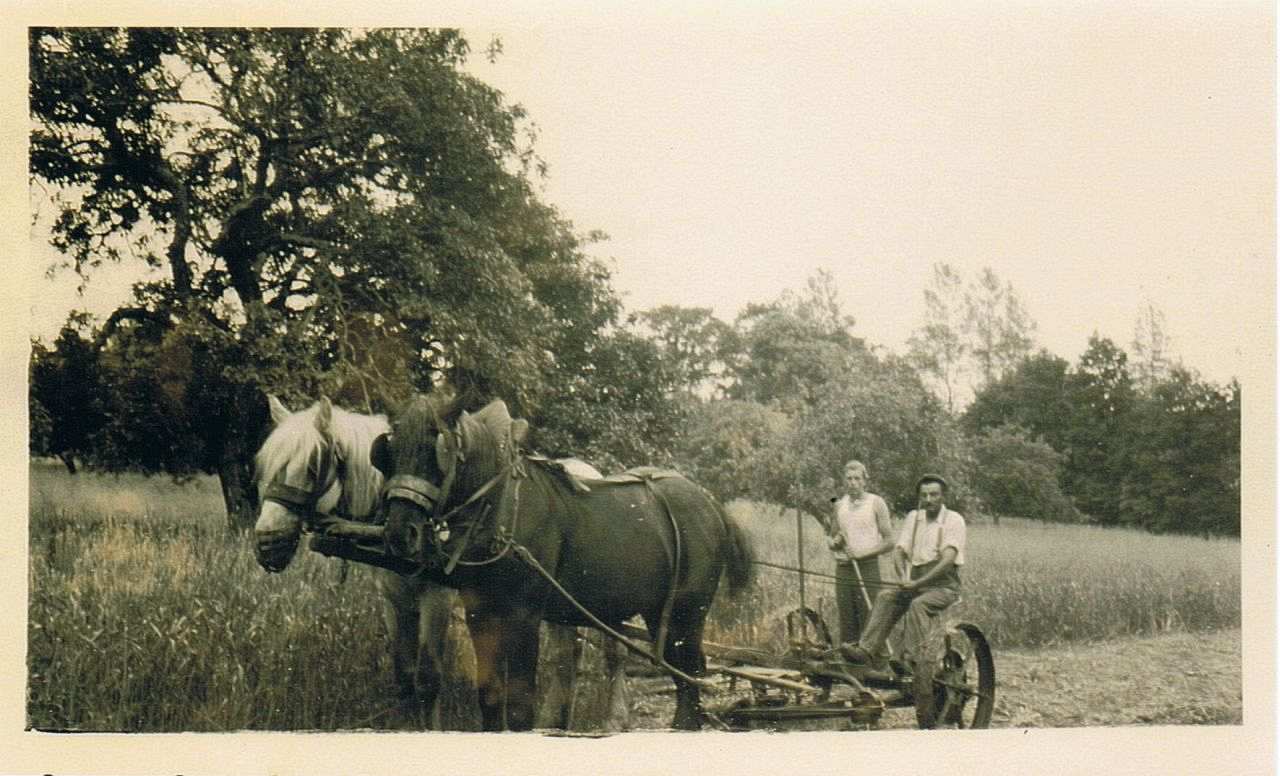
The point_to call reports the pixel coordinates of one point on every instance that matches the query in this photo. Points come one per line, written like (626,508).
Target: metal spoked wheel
(956,686)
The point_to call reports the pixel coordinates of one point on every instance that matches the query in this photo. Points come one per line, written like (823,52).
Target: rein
(429,498)
(527,557)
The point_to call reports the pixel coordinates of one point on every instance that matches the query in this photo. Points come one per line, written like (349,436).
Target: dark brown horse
(484,518)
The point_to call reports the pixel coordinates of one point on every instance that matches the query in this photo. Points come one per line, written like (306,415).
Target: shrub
(1018,475)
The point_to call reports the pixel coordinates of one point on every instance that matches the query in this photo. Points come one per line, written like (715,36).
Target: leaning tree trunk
(238,493)
(245,420)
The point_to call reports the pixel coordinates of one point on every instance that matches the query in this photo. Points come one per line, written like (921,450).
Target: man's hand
(901,564)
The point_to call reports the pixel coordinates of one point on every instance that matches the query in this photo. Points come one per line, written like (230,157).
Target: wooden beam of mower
(348,549)
(775,681)
(340,528)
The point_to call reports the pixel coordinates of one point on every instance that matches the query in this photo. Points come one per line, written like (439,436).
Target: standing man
(929,554)
(858,533)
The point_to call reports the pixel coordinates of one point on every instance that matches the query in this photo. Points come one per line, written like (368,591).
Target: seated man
(929,554)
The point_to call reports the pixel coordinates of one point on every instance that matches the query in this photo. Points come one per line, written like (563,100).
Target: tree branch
(121,314)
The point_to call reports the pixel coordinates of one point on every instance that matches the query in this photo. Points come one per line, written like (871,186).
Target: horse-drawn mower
(808,685)
(811,683)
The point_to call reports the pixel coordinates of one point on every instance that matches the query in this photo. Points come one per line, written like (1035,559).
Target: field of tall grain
(146,615)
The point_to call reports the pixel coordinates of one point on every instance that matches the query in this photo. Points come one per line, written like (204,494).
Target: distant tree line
(351,214)
(787,393)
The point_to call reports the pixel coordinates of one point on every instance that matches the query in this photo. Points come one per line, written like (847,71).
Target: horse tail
(738,553)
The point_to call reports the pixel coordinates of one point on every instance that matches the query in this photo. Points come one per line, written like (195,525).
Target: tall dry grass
(1026,583)
(145,615)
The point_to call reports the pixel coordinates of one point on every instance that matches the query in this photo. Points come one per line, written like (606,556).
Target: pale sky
(1096,157)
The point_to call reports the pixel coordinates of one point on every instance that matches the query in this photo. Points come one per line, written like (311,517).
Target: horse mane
(298,438)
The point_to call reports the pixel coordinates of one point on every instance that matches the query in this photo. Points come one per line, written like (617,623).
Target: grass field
(146,615)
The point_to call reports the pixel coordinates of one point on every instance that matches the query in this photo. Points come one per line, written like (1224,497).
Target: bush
(1018,475)
(725,445)
(882,416)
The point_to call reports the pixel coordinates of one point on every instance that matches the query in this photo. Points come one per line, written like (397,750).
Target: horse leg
(400,614)
(684,651)
(486,641)
(435,606)
(520,664)
(563,652)
(506,648)
(618,708)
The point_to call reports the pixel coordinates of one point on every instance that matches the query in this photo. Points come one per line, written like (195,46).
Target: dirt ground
(1164,680)
(1167,680)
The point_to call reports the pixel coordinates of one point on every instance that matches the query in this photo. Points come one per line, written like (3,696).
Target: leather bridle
(327,469)
(432,499)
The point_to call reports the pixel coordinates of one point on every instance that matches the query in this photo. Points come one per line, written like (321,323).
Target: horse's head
(435,459)
(297,476)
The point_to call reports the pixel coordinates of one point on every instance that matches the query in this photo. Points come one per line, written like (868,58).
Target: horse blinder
(288,496)
(326,471)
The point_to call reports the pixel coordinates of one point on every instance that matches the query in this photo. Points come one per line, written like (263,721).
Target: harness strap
(288,495)
(416,489)
(523,554)
(664,622)
(474,497)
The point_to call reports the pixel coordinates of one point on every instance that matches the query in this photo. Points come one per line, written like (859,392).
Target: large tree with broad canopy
(333,210)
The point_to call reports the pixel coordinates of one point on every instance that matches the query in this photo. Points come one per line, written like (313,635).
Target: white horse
(316,462)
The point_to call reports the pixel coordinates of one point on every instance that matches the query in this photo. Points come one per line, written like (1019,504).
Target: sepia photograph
(880,385)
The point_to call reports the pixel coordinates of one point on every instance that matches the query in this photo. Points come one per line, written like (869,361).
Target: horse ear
(519,430)
(380,454)
(324,416)
(278,411)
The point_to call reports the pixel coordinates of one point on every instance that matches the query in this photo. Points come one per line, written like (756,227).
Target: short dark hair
(938,478)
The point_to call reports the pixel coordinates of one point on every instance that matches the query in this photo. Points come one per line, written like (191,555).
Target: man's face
(931,497)
(855,480)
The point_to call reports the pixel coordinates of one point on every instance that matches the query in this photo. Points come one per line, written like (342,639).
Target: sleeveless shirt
(857,521)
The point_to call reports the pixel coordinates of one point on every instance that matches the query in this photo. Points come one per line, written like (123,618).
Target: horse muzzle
(410,529)
(276,536)
(406,532)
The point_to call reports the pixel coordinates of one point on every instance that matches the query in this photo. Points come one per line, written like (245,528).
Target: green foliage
(998,327)
(938,349)
(1184,459)
(980,331)
(337,210)
(612,408)
(727,445)
(787,351)
(64,389)
(1034,395)
(1151,348)
(693,343)
(1101,397)
(808,396)
(1017,474)
(1166,458)
(881,415)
